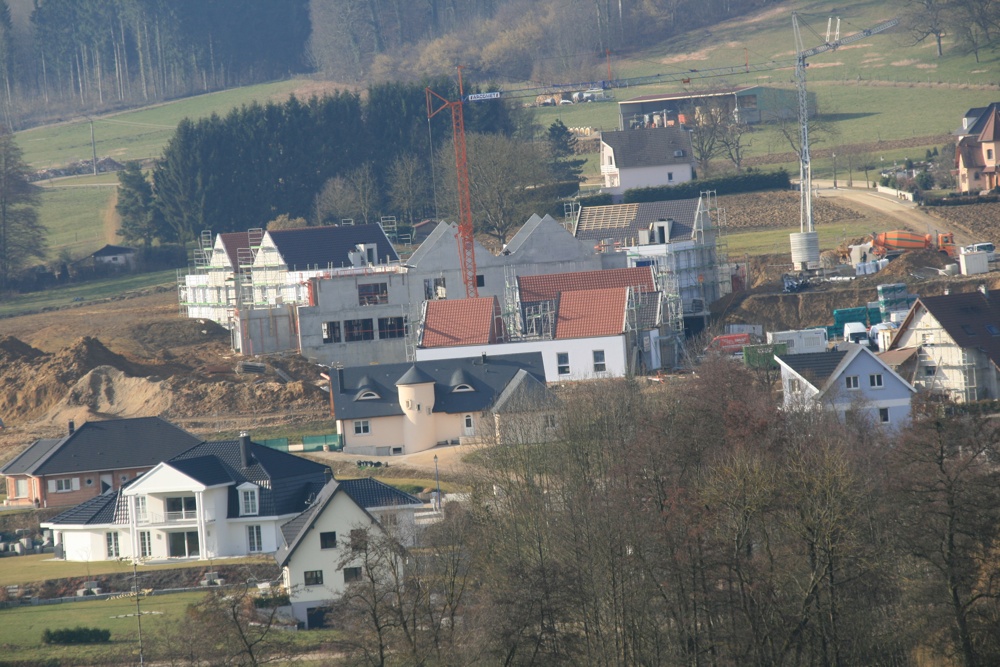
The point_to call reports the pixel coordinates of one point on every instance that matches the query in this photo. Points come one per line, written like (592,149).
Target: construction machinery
(900,240)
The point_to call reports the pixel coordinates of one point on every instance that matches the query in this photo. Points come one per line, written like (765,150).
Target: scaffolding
(511,312)
(945,374)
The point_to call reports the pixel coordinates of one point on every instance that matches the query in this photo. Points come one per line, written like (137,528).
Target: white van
(856,332)
(988,248)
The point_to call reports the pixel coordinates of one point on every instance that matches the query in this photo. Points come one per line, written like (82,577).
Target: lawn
(77,218)
(135,135)
(99,289)
(769,241)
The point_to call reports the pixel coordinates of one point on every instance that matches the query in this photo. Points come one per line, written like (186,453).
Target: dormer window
(462,387)
(368,396)
(249,505)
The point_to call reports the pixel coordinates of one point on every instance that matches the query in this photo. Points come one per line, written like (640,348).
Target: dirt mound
(178,333)
(83,356)
(13,350)
(778,208)
(920,264)
(108,392)
(192,398)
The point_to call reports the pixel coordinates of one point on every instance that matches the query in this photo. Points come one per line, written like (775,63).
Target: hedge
(962,200)
(77,635)
(725,185)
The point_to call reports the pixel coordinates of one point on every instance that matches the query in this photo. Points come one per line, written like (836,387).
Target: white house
(957,342)
(645,157)
(851,378)
(216,499)
(315,562)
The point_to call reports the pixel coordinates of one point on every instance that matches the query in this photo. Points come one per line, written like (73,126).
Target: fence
(281,444)
(315,443)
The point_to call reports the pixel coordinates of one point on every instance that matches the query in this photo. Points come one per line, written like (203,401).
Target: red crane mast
(466,244)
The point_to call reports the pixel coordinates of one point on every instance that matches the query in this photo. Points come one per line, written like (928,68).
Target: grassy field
(99,289)
(77,218)
(134,135)
(766,241)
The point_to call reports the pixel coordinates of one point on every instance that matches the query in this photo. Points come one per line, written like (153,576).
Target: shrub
(77,635)
(271,601)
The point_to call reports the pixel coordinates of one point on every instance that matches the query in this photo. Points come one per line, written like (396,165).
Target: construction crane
(466,239)
(805,244)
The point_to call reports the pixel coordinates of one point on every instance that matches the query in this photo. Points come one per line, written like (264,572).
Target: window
(373,294)
(391,327)
(550,421)
(21,488)
(357,330)
(989,153)
(434,289)
(179,509)
(145,544)
(63,485)
(992,330)
(599,365)
(248,504)
(254,542)
(352,574)
(112,542)
(793,386)
(929,371)
(90,482)
(140,508)
(851,381)
(969,331)
(670,177)
(389,519)
(368,396)
(313,577)
(462,387)
(480,280)
(468,421)
(362,427)
(875,380)
(883,415)
(331,332)
(328,540)
(562,363)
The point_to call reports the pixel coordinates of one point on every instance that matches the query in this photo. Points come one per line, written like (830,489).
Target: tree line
(341,156)
(698,524)
(99,54)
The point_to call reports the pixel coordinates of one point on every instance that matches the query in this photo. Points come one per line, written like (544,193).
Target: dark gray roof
(981,114)
(648,147)
(96,511)
(522,393)
(325,247)
(487,380)
(112,250)
(414,376)
(815,367)
(104,445)
(208,470)
(965,317)
(622,222)
(286,481)
(366,494)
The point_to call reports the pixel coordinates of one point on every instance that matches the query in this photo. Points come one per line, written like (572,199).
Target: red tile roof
(548,287)
(461,322)
(589,313)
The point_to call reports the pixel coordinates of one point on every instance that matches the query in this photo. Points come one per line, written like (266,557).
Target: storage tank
(805,250)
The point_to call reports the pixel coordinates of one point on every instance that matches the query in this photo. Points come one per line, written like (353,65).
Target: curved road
(907,214)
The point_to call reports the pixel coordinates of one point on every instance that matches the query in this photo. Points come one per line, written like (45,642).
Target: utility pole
(93,144)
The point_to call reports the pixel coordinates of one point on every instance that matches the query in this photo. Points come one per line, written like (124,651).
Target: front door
(470,429)
(107,483)
(183,545)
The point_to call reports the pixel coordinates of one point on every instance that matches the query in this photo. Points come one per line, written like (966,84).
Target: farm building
(748,104)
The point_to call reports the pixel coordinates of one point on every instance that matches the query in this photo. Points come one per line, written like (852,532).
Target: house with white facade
(316,555)
(956,338)
(645,157)
(395,409)
(587,325)
(848,379)
(214,500)
(221,268)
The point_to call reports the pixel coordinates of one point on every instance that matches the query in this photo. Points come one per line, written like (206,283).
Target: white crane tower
(805,243)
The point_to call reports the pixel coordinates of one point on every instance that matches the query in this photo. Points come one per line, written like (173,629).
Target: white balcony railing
(179,517)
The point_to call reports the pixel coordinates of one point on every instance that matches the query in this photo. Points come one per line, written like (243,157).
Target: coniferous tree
(562,149)
(22,237)
(141,219)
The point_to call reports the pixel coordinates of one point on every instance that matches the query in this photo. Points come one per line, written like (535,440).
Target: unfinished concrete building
(682,240)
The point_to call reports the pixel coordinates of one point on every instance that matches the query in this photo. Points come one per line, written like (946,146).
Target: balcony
(181,517)
(609,169)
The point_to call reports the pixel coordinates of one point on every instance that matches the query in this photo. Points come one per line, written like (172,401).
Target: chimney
(72,427)
(484,358)
(947,291)
(245,449)
(984,291)
(328,473)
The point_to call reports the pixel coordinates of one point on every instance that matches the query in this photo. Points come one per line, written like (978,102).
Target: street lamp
(834,171)
(138,608)
(437,482)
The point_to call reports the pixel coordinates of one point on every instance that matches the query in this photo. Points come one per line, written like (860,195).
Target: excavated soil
(778,209)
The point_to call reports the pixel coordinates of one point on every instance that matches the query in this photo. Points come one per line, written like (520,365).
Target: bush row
(77,635)
(724,185)
(962,200)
